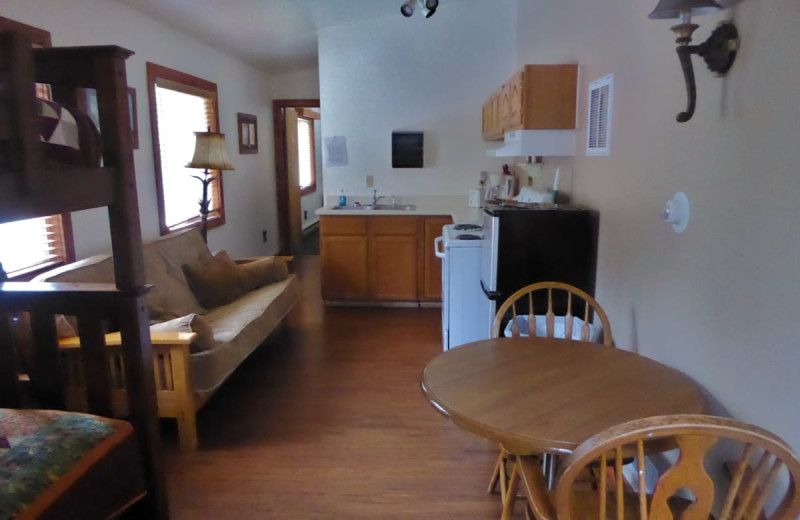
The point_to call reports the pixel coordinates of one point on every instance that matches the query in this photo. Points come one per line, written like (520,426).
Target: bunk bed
(35,182)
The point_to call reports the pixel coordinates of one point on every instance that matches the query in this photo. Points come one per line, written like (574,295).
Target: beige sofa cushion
(214,282)
(189,323)
(239,328)
(261,272)
(170,297)
(163,261)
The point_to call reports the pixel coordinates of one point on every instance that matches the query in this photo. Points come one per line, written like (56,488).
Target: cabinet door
(549,97)
(505,107)
(431,287)
(493,127)
(344,267)
(393,267)
(515,95)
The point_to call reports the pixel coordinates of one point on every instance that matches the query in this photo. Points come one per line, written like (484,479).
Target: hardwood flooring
(327,421)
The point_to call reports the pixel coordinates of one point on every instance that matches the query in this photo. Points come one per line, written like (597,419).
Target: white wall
(422,74)
(249,190)
(719,301)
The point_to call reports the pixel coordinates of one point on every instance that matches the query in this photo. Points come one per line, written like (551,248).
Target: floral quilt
(37,448)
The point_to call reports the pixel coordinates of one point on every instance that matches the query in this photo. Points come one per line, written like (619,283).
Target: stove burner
(467,236)
(467,227)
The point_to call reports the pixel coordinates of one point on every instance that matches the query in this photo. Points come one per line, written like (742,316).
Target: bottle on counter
(342,198)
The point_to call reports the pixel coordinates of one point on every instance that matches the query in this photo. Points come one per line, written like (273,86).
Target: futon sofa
(208,313)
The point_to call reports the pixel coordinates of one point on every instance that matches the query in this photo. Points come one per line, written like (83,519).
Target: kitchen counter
(454,206)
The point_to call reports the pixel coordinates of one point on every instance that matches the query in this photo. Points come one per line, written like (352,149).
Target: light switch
(370,181)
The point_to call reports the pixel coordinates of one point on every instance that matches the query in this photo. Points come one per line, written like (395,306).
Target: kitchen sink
(396,207)
(377,207)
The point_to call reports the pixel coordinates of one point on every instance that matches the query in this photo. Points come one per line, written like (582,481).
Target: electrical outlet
(370,181)
(264,236)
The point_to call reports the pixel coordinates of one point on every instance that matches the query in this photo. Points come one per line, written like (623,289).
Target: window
(38,244)
(180,105)
(307,161)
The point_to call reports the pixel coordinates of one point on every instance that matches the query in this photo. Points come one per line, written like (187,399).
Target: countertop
(454,206)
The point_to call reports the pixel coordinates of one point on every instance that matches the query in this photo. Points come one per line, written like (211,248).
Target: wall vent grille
(598,135)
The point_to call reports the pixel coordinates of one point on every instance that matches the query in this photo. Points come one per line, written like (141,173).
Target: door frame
(281,172)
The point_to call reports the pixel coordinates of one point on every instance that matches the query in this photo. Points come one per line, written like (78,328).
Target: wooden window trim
(154,73)
(311,188)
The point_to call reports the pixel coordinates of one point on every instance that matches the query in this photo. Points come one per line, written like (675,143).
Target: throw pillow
(214,282)
(190,323)
(261,272)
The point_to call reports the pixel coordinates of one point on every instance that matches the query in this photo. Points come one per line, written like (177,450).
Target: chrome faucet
(375,197)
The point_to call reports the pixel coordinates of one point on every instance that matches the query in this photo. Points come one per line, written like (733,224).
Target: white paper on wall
(336,151)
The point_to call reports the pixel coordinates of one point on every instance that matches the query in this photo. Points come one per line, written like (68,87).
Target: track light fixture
(427,7)
(718,51)
(407,9)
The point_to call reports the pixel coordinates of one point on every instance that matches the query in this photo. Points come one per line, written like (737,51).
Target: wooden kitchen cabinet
(431,280)
(538,97)
(344,267)
(393,267)
(380,258)
(393,258)
(492,125)
(344,258)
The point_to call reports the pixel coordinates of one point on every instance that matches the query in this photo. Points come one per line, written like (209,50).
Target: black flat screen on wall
(407,149)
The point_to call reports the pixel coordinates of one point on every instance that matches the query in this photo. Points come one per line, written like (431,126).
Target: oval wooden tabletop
(549,395)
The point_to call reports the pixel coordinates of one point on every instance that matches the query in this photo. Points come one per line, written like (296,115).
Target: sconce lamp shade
(674,8)
(210,152)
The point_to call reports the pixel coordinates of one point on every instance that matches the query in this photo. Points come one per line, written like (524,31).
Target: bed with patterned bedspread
(58,465)
(69,136)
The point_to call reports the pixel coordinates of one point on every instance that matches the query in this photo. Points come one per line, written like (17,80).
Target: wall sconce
(718,51)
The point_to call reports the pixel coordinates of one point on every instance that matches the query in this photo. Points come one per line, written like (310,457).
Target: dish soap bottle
(342,198)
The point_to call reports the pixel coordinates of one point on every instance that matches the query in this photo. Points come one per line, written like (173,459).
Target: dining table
(548,395)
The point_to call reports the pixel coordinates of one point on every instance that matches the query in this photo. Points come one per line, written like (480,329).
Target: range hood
(551,143)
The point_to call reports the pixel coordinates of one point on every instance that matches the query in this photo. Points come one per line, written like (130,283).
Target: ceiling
(274,35)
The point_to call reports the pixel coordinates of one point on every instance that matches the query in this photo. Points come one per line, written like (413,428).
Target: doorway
(287,114)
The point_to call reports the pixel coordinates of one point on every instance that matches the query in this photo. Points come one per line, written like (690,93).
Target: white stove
(464,305)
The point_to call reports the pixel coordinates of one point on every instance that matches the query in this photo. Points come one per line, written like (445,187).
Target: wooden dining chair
(554,298)
(763,482)
(546,299)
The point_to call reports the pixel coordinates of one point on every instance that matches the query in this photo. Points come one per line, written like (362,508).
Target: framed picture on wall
(248,133)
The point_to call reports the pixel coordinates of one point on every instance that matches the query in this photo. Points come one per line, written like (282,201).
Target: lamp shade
(210,152)
(674,8)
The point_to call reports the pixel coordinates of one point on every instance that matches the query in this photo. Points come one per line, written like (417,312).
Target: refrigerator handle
(492,295)
(438,241)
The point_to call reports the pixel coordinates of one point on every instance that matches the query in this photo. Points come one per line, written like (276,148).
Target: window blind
(181,112)
(32,244)
(306,152)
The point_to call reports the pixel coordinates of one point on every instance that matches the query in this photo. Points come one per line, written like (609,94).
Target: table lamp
(210,154)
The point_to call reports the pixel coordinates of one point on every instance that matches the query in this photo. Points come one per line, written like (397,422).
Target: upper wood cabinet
(538,97)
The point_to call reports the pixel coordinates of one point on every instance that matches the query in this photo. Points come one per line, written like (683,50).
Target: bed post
(126,243)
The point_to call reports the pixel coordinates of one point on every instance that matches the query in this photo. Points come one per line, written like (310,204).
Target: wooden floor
(327,421)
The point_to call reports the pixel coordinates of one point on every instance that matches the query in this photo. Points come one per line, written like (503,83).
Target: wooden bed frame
(28,189)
